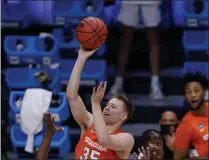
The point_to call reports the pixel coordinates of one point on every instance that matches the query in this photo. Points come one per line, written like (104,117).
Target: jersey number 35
(90,154)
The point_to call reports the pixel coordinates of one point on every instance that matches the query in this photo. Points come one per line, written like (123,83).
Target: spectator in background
(129,17)
(193,129)
(151,146)
(168,124)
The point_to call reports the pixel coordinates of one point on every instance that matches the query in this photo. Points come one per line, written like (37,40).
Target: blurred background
(150,45)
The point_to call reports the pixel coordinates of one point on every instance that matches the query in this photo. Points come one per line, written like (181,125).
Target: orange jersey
(193,130)
(89,148)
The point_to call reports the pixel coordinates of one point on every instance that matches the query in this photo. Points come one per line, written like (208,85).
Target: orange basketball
(91,33)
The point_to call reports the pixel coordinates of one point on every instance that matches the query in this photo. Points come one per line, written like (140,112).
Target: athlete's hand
(49,122)
(84,53)
(98,93)
(144,154)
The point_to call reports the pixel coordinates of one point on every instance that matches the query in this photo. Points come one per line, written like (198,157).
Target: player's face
(194,94)
(114,111)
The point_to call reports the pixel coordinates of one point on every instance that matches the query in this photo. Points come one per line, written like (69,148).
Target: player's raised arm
(119,142)
(51,129)
(78,109)
(182,142)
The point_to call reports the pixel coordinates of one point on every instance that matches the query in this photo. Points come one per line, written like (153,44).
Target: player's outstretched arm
(51,129)
(78,109)
(119,142)
(182,141)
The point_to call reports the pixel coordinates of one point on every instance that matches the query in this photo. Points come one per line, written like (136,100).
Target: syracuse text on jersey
(94,144)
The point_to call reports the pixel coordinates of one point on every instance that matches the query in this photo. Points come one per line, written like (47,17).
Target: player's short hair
(128,104)
(149,135)
(196,77)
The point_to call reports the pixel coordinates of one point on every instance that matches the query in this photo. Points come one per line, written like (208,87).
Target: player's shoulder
(126,137)
(187,117)
(186,120)
(125,134)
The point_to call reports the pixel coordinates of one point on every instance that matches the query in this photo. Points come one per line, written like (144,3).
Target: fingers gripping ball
(91,33)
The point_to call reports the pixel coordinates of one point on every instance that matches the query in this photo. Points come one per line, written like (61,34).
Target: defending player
(51,129)
(101,137)
(193,129)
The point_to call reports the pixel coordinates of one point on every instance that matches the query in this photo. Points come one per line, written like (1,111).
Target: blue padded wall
(73,44)
(196,40)
(201,67)
(14,14)
(186,13)
(23,78)
(61,112)
(60,144)
(72,11)
(94,70)
(33,52)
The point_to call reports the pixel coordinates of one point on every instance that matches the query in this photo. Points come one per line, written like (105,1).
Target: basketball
(91,33)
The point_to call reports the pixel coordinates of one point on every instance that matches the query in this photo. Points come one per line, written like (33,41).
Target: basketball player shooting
(101,137)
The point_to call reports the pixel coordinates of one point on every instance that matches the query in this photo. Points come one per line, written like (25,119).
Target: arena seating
(94,71)
(71,12)
(196,40)
(44,14)
(60,112)
(72,43)
(14,14)
(29,50)
(178,12)
(196,13)
(21,14)
(190,13)
(196,66)
(60,144)
(111,13)
(26,50)
(166,14)
(23,78)
(18,139)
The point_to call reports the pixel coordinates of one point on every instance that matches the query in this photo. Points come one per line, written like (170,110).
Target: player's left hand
(98,93)
(49,122)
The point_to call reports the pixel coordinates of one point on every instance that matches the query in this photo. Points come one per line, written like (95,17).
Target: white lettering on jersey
(94,144)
